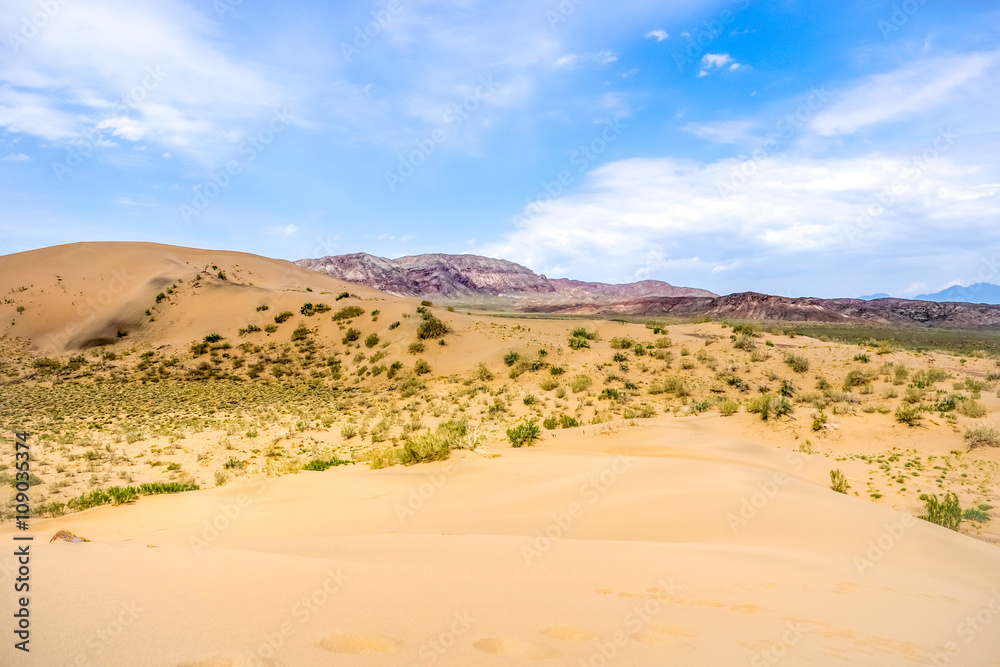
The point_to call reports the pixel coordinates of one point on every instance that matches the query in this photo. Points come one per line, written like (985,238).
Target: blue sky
(824,149)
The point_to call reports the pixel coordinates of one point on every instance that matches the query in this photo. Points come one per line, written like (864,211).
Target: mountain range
(978,293)
(475,279)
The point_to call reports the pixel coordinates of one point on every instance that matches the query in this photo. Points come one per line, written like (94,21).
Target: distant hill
(978,293)
(754,306)
(872,297)
(471,278)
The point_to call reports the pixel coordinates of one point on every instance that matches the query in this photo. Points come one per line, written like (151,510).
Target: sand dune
(551,554)
(657,532)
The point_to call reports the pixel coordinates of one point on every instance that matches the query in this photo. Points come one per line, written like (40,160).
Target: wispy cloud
(658,35)
(16,157)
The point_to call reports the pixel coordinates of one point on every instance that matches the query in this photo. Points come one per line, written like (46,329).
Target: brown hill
(755,306)
(471,278)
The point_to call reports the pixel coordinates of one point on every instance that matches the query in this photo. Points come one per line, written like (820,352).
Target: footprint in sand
(568,633)
(510,647)
(358,642)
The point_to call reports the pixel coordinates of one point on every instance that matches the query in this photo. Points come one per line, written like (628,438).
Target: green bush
(796,362)
(769,405)
(577,343)
(320,465)
(908,414)
(309,309)
(551,423)
(523,434)
(432,327)
(421,367)
(426,304)
(283,317)
(838,482)
(622,343)
(568,422)
(975,514)
(609,394)
(511,358)
(947,513)
(983,434)
(301,332)
(350,336)
(580,332)
(394,325)
(727,408)
(348,313)
(581,383)
(371,341)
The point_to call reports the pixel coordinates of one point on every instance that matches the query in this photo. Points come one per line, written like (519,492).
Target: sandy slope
(546,554)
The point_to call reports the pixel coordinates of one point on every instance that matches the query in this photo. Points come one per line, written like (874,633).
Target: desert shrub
(838,481)
(643,411)
(622,343)
(609,394)
(421,367)
(416,348)
(576,343)
(858,378)
(548,384)
(394,325)
(914,395)
(908,414)
(819,420)
(983,434)
(550,423)
(770,405)
(262,308)
(511,358)
(394,369)
(580,332)
(619,357)
(663,342)
(320,465)
(343,295)
(371,341)
(581,383)
(796,362)
(745,343)
(947,513)
(426,304)
(213,338)
(556,370)
(432,327)
(160,297)
(972,408)
(928,378)
(350,336)
(568,422)
(309,309)
(281,318)
(529,400)
(348,313)
(976,514)
(523,434)
(118,495)
(301,333)
(234,463)
(728,407)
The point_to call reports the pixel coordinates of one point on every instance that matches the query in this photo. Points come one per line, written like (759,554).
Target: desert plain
(325,474)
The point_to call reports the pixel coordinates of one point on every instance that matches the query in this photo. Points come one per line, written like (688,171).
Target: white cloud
(148,71)
(794,207)
(910,91)
(658,35)
(576,59)
(16,157)
(716,60)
